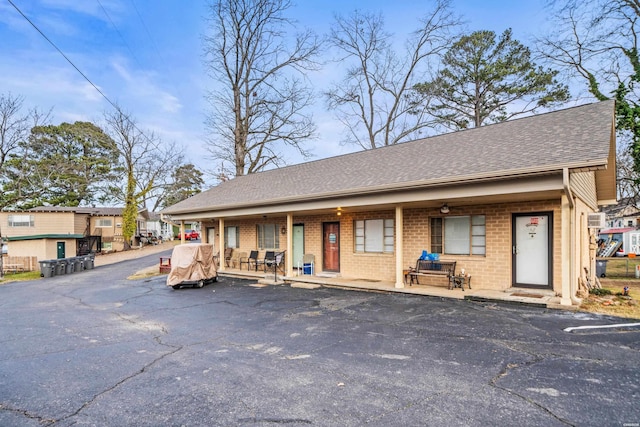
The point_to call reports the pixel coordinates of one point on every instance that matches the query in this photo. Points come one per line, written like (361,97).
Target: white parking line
(619,325)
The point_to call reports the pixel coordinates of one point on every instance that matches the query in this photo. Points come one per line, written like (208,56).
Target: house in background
(623,215)
(50,232)
(508,202)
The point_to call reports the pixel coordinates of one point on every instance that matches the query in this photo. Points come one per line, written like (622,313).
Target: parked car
(189,235)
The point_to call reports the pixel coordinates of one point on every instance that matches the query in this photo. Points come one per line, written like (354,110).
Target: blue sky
(146,55)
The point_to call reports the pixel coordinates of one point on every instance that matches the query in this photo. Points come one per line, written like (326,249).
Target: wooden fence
(28,263)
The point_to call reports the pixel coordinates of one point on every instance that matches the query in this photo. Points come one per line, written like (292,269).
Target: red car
(189,235)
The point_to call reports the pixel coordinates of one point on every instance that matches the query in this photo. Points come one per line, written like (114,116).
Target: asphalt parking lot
(96,349)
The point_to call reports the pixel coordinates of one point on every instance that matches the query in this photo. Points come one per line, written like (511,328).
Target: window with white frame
(459,235)
(268,237)
(374,235)
(21,221)
(104,222)
(232,237)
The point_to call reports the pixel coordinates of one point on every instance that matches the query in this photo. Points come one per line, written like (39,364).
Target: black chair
(252,259)
(277,262)
(269,257)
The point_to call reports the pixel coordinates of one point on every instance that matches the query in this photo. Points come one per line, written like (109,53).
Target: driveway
(94,348)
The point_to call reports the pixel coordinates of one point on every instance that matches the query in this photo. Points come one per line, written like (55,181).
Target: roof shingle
(574,137)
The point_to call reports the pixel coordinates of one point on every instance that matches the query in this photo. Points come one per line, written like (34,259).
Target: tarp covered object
(191,262)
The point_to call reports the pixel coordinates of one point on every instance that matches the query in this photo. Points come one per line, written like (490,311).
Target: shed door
(331,246)
(532,249)
(61,250)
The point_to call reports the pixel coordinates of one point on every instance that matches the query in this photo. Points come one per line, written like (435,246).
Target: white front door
(298,244)
(532,249)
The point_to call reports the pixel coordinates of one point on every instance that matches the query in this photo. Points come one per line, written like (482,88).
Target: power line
(113,104)
(119,33)
(63,55)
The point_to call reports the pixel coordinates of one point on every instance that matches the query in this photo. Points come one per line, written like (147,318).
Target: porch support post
(399,246)
(566,250)
(181,231)
(221,247)
(289,255)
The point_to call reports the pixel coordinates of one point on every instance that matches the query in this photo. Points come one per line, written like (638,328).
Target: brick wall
(491,271)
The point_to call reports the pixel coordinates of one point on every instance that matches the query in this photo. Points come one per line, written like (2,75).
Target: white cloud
(141,86)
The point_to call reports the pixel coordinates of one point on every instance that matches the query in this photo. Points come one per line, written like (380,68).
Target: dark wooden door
(331,246)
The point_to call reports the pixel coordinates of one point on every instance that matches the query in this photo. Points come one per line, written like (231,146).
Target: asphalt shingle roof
(574,137)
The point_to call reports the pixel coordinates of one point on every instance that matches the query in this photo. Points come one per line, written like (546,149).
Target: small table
(458,281)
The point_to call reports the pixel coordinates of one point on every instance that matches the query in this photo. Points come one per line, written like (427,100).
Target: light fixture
(283,230)
(444,209)
(339,211)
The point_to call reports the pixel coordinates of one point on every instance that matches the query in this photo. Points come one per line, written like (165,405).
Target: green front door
(61,251)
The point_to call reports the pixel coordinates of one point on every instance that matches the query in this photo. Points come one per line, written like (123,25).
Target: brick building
(508,202)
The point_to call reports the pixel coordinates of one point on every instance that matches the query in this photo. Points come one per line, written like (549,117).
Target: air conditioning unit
(596,220)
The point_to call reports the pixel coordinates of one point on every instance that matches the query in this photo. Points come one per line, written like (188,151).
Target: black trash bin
(68,265)
(47,268)
(601,267)
(78,264)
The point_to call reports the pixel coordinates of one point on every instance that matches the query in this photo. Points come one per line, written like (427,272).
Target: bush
(600,291)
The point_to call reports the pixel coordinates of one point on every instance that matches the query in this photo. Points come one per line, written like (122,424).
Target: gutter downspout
(572,255)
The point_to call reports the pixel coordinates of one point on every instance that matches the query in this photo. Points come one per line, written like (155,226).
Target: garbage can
(601,267)
(68,265)
(47,268)
(61,267)
(77,264)
(87,261)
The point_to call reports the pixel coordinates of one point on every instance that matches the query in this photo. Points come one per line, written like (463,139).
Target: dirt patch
(620,297)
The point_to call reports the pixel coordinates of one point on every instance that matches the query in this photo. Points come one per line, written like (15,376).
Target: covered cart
(192,265)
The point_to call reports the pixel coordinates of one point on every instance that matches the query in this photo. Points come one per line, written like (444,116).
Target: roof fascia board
(438,194)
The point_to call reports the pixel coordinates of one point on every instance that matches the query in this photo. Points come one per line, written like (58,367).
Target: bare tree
(375,100)
(137,151)
(14,132)
(597,42)
(259,105)
(14,125)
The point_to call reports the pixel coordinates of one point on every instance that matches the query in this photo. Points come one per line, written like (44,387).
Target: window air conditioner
(596,220)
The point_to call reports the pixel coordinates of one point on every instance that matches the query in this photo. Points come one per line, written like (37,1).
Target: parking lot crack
(508,367)
(42,420)
(121,382)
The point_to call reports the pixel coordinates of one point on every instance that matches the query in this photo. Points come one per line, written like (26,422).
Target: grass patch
(20,277)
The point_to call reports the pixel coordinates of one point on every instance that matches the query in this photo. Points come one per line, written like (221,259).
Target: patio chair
(269,256)
(235,258)
(251,259)
(277,262)
(227,256)
(308,264)
(216,259)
